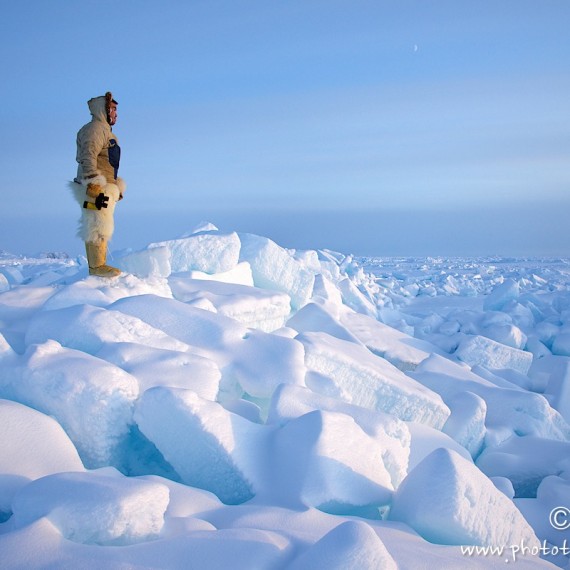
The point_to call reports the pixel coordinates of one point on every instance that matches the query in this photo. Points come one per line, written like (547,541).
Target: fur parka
(95,167)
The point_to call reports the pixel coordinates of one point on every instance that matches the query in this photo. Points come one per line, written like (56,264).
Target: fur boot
(97,259)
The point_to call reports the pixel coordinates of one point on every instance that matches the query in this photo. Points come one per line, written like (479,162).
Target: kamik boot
(97,258)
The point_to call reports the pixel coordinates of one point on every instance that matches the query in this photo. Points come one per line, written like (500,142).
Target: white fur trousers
(96,226)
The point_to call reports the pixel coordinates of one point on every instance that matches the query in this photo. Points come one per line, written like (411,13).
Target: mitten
(93,190)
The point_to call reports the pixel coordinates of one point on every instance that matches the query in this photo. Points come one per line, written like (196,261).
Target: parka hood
(99,106)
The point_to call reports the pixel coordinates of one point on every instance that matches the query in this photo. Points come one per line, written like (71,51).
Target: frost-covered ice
(230,403)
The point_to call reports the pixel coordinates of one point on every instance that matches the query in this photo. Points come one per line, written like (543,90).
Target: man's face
(112,114)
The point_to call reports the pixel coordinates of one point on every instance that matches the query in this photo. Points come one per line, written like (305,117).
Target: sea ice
(263,361)
(526,461)
(177,320)
(209,447)
(352,545)
(94,507)
(392,435)
(92,399)
(275,269)
(208,251)
(501,295)
(448,500)
(148,262)
(491,354)
(402,350)
(314,317)
(362,378)
(509,410)
(162,367)
(32,445)
(89,328)
(466,425)
(251,306)
(329,462)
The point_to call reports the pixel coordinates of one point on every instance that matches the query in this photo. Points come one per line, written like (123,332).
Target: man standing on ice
(97,187)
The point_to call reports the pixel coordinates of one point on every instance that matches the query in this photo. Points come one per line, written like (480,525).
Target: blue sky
(402,127)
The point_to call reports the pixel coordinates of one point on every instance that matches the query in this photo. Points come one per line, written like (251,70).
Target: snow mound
(161,367)
(96,507)
(352,545)
(88,329)
(33,444)
(447,500)
(332,463)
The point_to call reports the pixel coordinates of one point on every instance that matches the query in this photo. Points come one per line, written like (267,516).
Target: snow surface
(229,403)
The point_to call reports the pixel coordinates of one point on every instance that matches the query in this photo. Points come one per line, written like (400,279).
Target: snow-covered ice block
(103,292)
(4,283)
(315,317)
(561,344)
(391,434)
(352,545)
(32,445)
(491,354)
(88,328)
(551,374)
(526,461)
(502,294)
(402,350)
(447,500)
(425,440)
(354,298)
(161,367)
(178,320)
(362,378)
(96,507)
(239,275)
(309,258)
(12,275)
(507,334)
(209,447)
(263,361)
(466,425)
(326,460)
(510,411)
(505,486)
(149,262)
(92,399)
(6,350)
(273,268)
(209,251)
(251,306)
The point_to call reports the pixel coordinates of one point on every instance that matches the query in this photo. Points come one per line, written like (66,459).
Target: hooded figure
(97,188)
